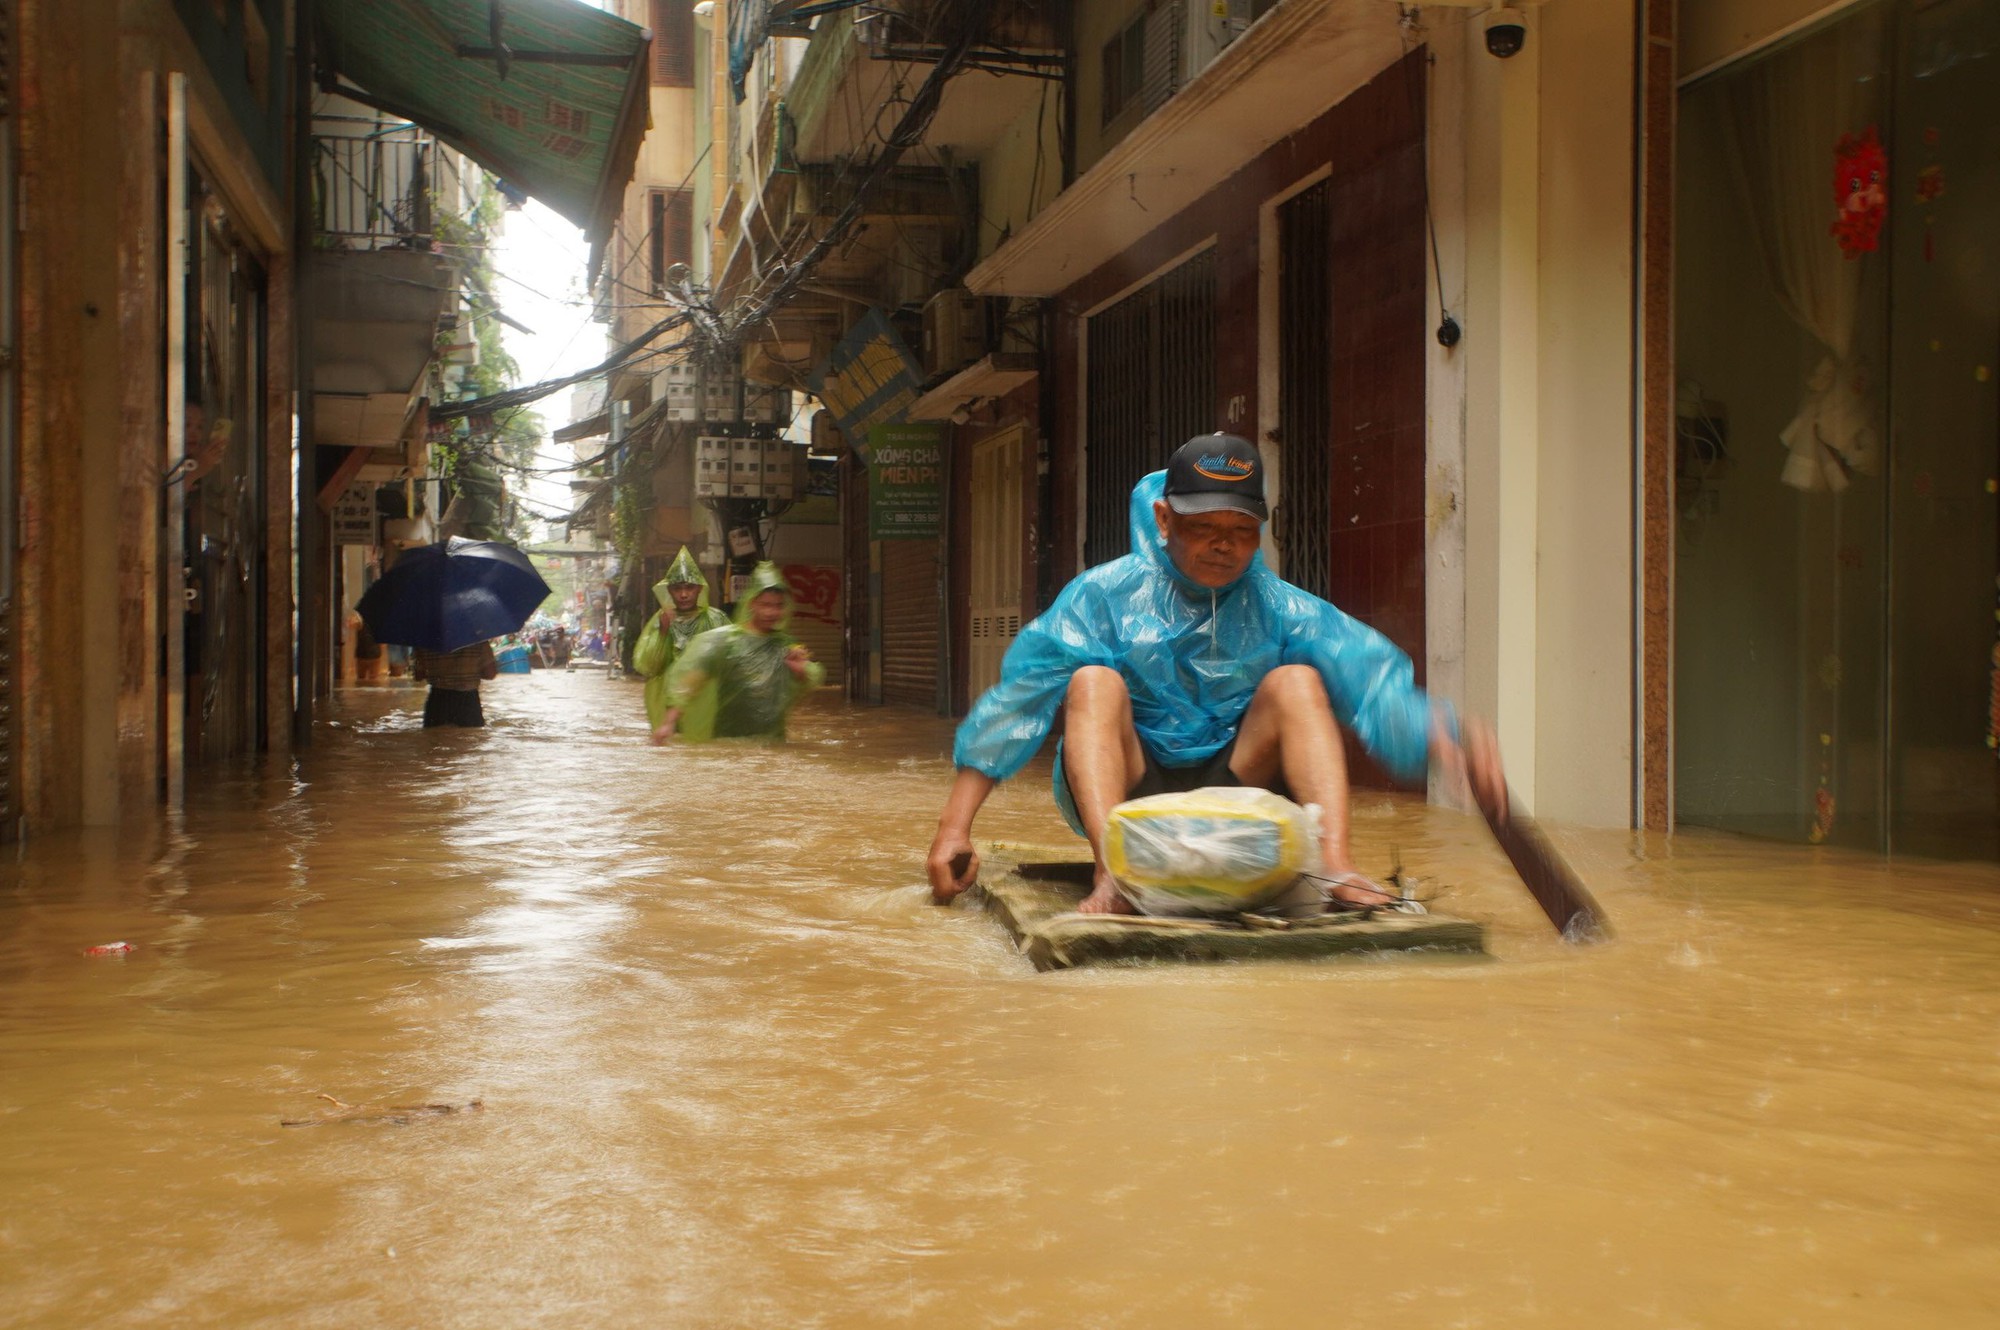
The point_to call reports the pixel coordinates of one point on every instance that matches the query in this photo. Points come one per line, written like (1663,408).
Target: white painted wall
(1585,657)
(1531,417)
(1502,137)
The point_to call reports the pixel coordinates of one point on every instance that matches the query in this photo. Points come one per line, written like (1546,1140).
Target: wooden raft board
(1036,897)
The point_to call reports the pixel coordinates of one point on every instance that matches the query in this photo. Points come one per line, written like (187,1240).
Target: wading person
(740,682)
(684,612)
(454,677)
(1188,663)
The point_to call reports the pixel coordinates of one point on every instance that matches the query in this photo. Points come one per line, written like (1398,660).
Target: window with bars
(673,43)
(1305,405)
(669,233)
(1151,385)
(1122,68)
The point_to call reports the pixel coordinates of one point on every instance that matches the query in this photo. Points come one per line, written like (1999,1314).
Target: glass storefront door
(1838,435)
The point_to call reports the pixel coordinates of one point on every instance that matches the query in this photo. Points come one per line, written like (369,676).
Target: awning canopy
(551,95)
(587,428)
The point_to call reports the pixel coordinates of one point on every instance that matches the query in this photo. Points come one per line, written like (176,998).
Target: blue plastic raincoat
(1192,659)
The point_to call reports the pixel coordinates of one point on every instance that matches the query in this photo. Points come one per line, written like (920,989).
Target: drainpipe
(11,822)
(173,575)
(306,607)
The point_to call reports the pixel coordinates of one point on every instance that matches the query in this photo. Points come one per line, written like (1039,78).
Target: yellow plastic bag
(1220,850)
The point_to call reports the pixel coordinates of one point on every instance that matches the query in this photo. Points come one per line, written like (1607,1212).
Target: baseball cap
(1211,472)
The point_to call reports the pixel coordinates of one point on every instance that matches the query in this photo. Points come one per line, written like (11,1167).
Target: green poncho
(657,649)
(734,683)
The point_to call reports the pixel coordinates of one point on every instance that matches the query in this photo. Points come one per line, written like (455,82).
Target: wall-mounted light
(705,10)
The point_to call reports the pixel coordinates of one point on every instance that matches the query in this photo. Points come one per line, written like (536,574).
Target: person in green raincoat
(684,612)
(741,681)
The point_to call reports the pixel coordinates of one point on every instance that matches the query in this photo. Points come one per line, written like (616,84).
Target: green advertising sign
(906,481)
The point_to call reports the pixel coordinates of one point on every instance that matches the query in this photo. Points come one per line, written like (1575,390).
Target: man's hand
(953,865)
(1475,759)
(795,660)
(665,734)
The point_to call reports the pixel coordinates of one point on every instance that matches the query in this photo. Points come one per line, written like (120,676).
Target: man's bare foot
(1105,897)
(1351,888)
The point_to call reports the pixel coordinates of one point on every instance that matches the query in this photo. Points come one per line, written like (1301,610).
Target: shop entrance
(1837,279)
(223,512)
(996,556)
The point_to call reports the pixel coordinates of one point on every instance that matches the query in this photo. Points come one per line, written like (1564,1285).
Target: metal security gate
(910,607)
(1151,386)
(996,556)
(222,490)
(1305,319)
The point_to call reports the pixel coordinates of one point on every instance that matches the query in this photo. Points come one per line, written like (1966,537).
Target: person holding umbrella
(448,601)
(684,612)
(454,677)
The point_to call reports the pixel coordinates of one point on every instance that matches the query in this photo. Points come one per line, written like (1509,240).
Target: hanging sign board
(354,517)
(906,481)
(870,379)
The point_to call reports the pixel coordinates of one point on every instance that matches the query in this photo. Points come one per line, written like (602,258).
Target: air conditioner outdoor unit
(954,332)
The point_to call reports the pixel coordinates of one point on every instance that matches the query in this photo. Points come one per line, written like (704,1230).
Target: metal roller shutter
(910,613)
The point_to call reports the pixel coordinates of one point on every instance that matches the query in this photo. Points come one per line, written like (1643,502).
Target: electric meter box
(767,406)
(679,386)
(718,398)
(746,469)
(777,469)
(712,457)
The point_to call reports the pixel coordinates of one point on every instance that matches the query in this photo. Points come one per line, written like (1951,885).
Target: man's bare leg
(1102,760)
(1290,731)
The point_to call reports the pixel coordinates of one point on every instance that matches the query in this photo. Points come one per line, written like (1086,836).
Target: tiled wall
(1376,443)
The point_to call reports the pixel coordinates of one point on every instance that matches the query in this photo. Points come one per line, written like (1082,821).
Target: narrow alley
(733,1069)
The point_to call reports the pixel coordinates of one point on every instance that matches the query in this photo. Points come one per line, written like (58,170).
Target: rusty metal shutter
(910,613)
(673,43)
(669,233)
(857,574)
(1305,405)
(1151,388)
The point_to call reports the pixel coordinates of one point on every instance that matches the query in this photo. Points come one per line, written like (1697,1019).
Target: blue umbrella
(449,595)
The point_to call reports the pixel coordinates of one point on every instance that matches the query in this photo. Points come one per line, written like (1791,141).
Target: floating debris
(395,1115)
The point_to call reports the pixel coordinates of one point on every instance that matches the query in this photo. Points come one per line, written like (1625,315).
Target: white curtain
(1783,118)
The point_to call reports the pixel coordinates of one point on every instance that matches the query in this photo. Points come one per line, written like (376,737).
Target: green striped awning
(550,95)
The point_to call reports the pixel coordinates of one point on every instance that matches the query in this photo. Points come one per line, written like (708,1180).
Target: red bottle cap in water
(109,949)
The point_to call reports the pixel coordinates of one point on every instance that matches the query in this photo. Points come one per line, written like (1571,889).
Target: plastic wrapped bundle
(1221,850)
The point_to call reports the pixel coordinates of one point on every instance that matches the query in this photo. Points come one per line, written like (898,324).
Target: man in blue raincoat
(1189,663)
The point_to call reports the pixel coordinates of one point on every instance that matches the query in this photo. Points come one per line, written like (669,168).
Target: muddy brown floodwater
(735,1071)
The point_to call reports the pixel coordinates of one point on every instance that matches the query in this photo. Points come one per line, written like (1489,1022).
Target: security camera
(1506,32)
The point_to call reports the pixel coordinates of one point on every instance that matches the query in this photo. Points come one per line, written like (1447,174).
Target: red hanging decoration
(1861,189)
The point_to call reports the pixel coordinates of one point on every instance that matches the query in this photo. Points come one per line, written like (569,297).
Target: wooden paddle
(1548,877)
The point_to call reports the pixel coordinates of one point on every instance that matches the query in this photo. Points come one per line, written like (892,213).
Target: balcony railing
(381,191)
